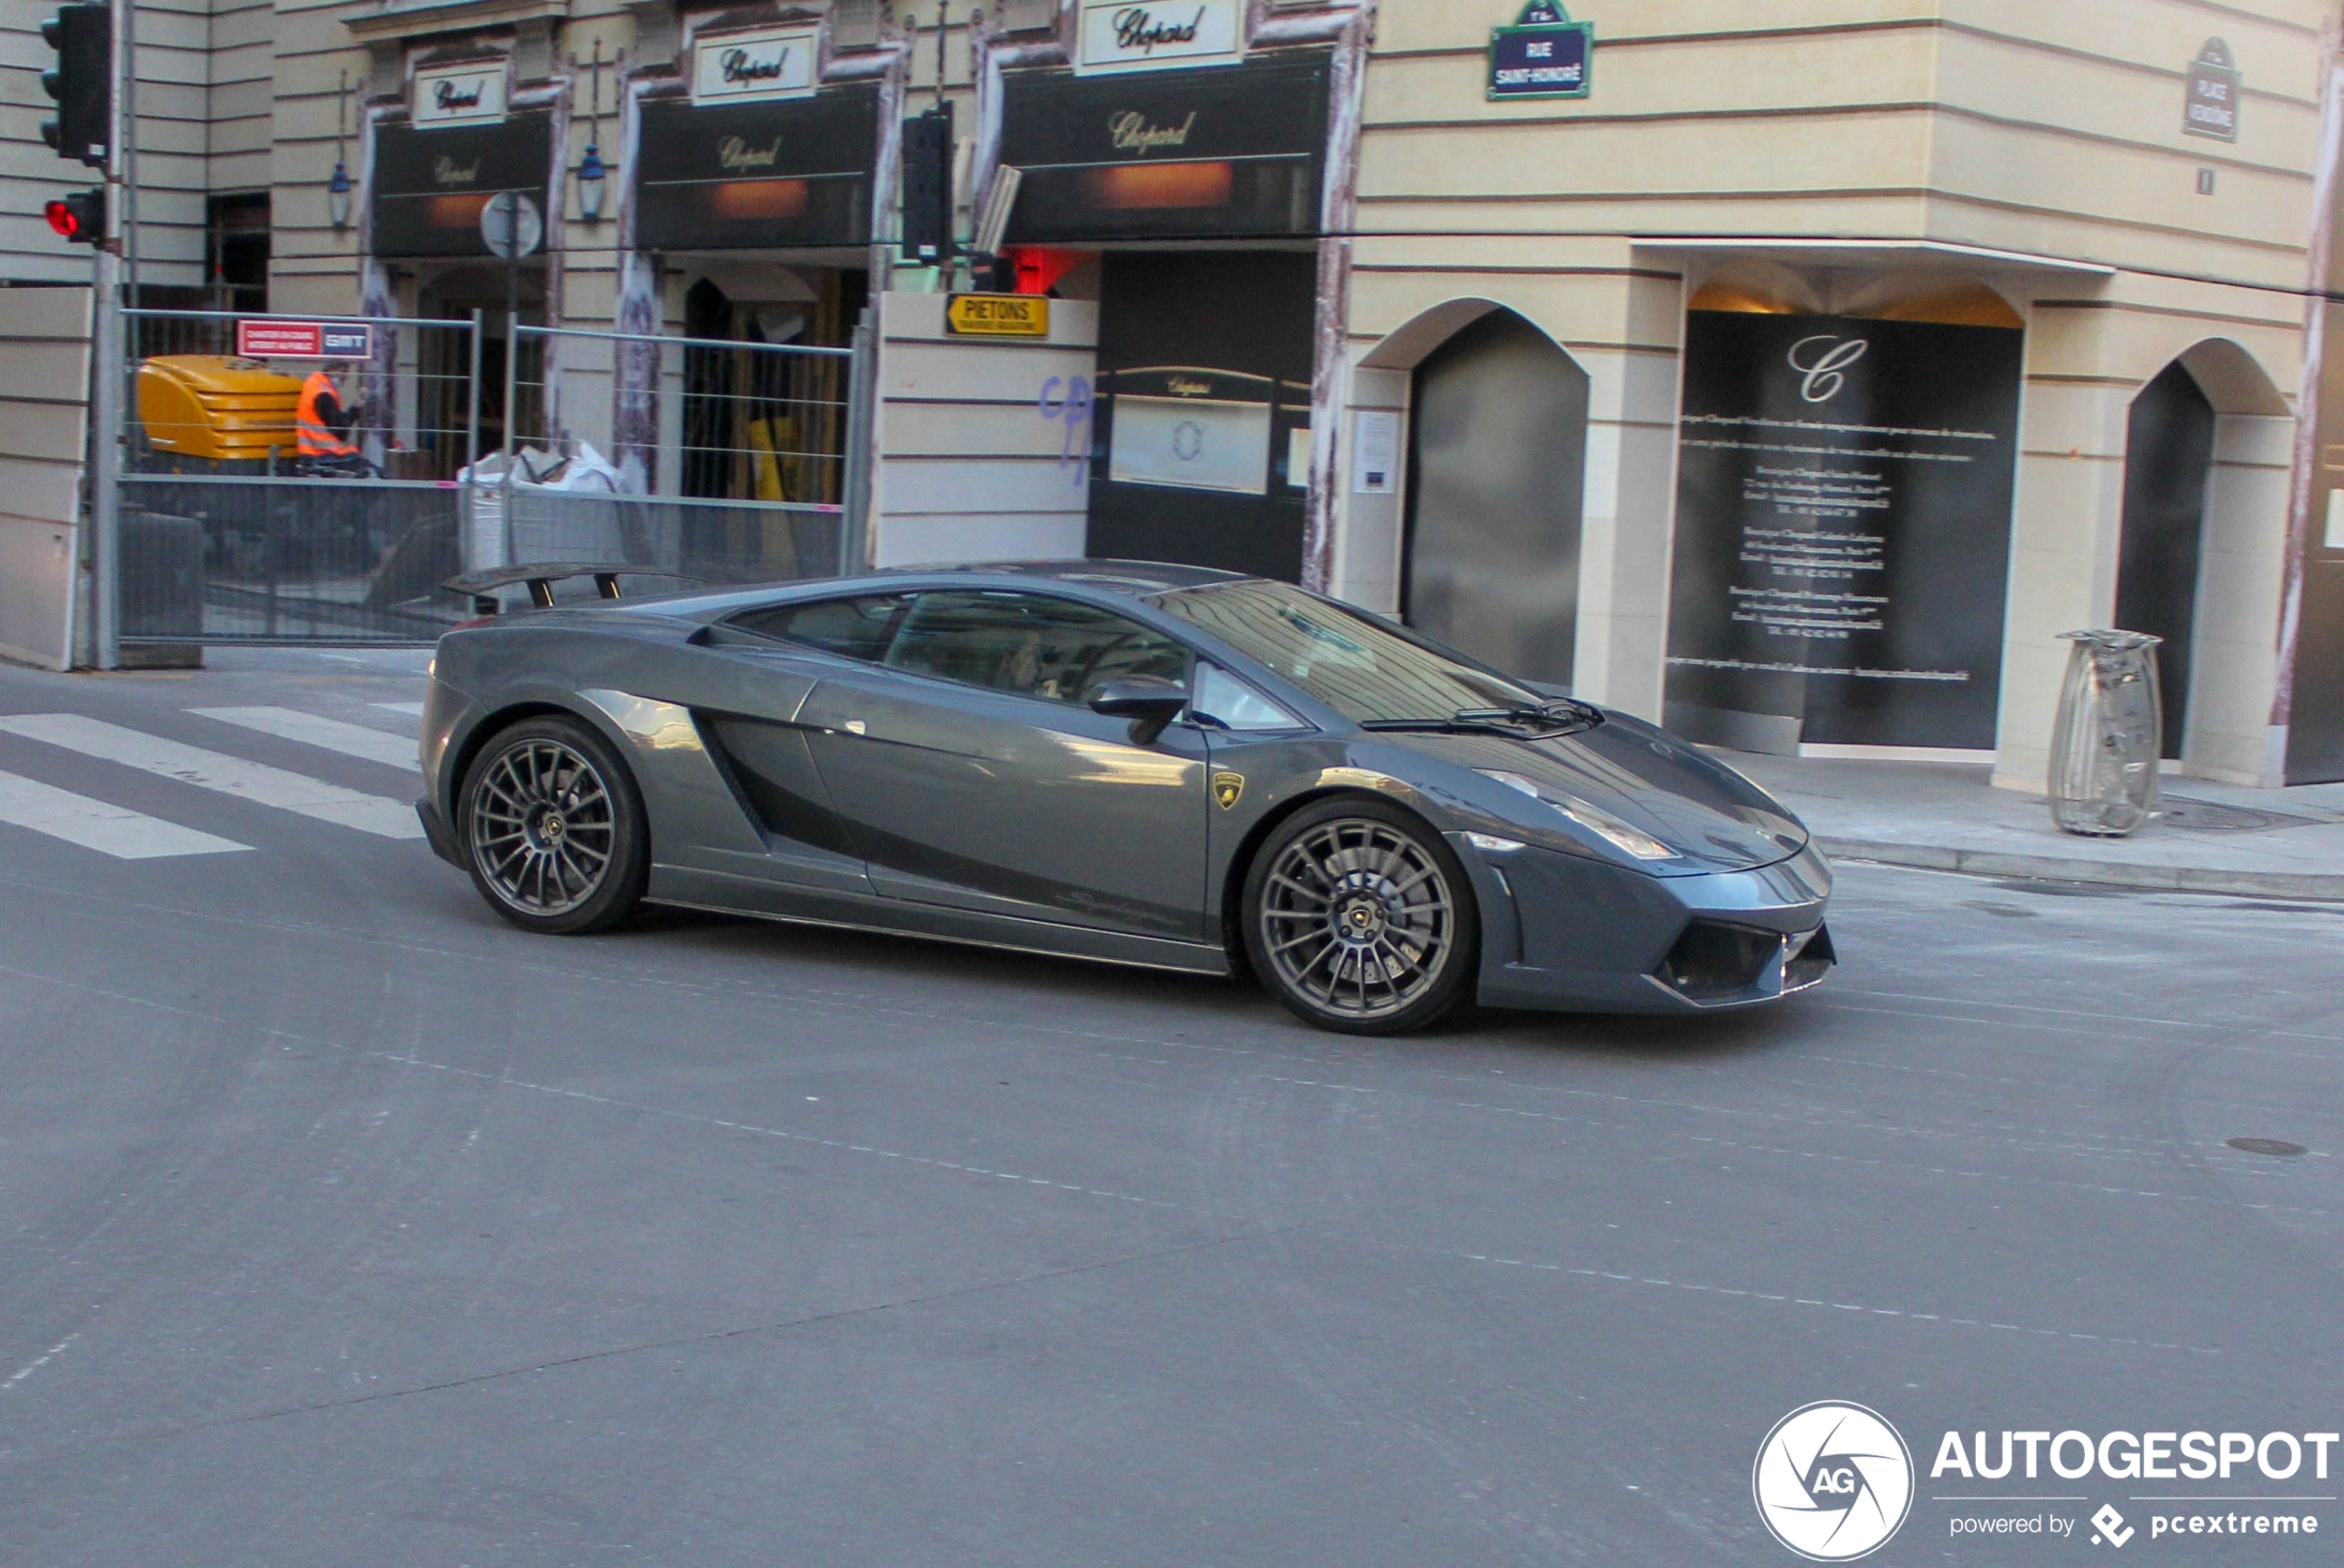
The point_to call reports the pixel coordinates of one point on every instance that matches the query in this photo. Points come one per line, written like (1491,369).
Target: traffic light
(80,217)
(81,82)
(927,186)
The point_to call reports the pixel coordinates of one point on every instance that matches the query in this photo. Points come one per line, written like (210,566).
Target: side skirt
(684,888)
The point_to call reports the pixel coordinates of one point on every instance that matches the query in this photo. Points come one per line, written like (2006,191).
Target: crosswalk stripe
(412,710)
(93,825)
(290,724)
(217,771)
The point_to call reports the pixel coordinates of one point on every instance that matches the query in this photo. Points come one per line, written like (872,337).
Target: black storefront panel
(431,185)
(1219,152)
(789,172)
(1204,411)
(1843,531)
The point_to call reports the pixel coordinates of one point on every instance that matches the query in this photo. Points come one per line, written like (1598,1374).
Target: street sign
(304,339)
(2213,93)
(510,225)
(1544,54)
(998,315)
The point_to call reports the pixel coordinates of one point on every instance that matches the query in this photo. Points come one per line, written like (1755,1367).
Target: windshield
(1359,669)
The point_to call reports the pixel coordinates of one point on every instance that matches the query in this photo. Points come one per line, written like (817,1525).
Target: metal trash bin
(2109,736)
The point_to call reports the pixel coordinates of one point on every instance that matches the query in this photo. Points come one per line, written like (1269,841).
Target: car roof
(1129,579)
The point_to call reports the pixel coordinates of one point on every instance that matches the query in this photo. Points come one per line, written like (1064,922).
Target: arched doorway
(2168,450)
(1497,462)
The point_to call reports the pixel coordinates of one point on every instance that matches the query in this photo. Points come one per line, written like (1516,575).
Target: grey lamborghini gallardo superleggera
(1108,760)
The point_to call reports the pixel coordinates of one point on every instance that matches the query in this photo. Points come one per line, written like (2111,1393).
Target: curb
(2318,885)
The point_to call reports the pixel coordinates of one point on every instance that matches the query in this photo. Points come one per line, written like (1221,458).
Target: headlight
(1603,824)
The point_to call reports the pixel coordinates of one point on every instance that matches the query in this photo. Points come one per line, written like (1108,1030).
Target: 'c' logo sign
(1821,361)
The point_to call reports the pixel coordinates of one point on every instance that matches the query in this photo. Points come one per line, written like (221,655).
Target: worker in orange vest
(321,425)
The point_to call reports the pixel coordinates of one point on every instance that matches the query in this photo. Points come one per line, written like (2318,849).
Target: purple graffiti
(1073,410)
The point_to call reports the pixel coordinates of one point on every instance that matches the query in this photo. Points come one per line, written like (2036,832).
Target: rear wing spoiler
(481,586)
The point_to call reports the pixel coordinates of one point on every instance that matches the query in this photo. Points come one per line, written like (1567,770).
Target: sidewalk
(1946,816)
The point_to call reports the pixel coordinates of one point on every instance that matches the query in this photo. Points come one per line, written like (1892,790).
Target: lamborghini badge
(1228,787)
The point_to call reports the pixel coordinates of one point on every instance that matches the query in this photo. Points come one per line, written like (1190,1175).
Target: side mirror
(1149,701)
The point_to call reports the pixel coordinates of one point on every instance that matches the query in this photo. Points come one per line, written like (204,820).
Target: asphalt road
(340,1224)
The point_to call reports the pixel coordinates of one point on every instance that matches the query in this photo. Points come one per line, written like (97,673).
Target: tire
(1361,919)
(552,828)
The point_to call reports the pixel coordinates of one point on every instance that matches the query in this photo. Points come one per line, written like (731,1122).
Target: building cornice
(379,20)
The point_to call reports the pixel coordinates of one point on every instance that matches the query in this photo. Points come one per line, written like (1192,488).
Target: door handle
(854,726)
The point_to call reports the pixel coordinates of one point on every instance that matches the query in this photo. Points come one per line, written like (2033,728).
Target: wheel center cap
(550,826)
(1359,921)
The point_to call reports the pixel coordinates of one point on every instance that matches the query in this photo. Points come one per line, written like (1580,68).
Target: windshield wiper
(1563,715)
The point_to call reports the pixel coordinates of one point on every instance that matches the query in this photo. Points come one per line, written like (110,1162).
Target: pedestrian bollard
(2109,735)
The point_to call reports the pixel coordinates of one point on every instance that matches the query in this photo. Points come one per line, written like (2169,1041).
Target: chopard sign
(737,155)
(445,170)
(460,95)
(1188,387)
(1131,131)
(1121,34)
(745,67)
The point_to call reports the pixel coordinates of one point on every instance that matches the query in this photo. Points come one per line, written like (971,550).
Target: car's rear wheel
(553,828)
(1360,919)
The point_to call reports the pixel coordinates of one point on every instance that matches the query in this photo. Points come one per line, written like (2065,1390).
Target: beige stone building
(2022,166)
(1797,371)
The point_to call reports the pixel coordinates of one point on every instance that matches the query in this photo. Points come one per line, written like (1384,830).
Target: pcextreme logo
(1834,1481)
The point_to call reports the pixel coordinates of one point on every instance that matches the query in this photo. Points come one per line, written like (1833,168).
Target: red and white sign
(304,339)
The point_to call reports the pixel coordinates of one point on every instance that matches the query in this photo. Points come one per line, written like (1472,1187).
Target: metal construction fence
(722,462)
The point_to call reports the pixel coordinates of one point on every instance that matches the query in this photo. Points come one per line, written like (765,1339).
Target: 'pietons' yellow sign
(998,315)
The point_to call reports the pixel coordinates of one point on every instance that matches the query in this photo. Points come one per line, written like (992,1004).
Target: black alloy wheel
(1360,919)
(553,828)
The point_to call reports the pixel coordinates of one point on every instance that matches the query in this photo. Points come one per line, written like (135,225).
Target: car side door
(772,658)
(971,773)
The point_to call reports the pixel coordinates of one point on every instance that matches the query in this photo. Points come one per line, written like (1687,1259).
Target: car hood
(1646,777)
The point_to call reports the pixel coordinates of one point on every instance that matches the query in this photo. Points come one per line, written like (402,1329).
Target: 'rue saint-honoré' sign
(740,68)
(1544,54)
(2213,93)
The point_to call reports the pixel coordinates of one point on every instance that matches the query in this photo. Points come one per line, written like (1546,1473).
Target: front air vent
(1715,962)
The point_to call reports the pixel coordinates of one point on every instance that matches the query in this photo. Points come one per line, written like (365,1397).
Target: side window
(1029,643)
(853,628)
(1223,699)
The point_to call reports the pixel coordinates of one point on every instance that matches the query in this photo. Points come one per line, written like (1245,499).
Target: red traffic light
(80,217)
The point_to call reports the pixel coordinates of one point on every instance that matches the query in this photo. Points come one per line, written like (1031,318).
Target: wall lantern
(593,177)
(592,180)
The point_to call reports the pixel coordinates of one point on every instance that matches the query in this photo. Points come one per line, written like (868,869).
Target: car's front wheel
(553,828)
(1360,919)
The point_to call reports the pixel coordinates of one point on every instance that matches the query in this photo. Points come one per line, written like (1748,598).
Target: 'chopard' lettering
(1135,29)
(1188,387)
(1132,132)
(737,155)
(447,171)
(447,96)
(740,68)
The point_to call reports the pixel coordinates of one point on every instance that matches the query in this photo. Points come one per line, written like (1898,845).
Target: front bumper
(1565,932)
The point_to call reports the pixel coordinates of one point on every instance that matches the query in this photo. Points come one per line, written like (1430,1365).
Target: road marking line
(110,830)
(254,781)
(412,710)
(333,735)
